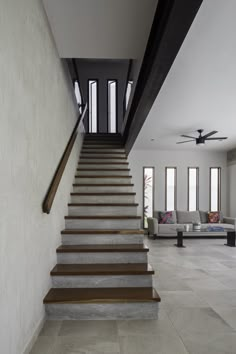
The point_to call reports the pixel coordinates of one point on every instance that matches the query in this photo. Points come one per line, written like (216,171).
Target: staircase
(102,270)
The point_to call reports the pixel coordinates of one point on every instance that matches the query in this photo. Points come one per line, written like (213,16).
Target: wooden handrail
(48,200)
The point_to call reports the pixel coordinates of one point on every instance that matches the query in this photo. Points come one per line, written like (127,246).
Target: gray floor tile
(198,320)
(51,328)
(44,345)
(88,328)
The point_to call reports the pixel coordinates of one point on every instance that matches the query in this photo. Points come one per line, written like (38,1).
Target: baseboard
(32,341)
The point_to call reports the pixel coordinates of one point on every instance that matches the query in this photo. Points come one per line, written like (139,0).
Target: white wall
(37,115)
(232,190)
(182,160)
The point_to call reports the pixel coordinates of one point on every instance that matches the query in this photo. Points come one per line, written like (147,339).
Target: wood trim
(171,24)
(50,195)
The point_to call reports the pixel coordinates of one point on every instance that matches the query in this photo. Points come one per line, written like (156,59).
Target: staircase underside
(102,270)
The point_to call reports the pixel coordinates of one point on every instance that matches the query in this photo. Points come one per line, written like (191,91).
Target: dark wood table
(230,234)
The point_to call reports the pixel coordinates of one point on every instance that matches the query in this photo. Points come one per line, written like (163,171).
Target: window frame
(218,188)
(116,110)
(88,95)
(175,187)
(153,191)
(197,187)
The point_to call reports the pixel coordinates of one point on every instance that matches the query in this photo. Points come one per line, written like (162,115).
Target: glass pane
(215,185)
(148,182)
(170,188)
(92,106)
(193,189)
(77,93)
(111,106)
(128,92)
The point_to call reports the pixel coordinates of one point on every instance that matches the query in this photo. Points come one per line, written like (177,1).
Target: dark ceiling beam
(172,21)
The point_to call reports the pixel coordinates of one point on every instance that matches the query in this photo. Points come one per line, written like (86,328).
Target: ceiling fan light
(201,144)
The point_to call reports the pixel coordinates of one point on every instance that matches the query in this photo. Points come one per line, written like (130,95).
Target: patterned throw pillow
(214,217)
(166,217)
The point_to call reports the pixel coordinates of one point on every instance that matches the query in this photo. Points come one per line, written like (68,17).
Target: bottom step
(102,303)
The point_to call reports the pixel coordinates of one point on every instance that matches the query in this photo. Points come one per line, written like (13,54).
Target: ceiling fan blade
(183,142)
(187,136)
(220,138)
(209,134)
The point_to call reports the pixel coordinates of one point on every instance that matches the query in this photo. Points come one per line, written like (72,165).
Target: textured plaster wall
(37,115)
(182,160)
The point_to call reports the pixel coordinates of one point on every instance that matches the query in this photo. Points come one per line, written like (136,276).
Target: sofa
(181,218)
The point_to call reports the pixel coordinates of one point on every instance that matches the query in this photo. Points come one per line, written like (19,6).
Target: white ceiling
(200,90)
(107,29)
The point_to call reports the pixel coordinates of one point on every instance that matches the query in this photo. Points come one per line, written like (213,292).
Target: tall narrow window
(112,104)
(215,188)
(193,188)
(128,92)
(171,191)
(78,94)
(93,105)
(148,194)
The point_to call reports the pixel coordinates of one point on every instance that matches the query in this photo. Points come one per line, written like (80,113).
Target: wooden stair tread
(101,232)
(102,176)
(102,217)
(104,205)
(104,193)
(100,295)
(102,185)
(102,152)
(102,269)
(102,248)
(102,163)
(104,157)
(103,169)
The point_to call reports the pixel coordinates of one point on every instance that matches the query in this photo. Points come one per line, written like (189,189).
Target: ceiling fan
(200,140)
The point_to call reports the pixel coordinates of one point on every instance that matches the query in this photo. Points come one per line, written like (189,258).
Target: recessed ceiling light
(152,139)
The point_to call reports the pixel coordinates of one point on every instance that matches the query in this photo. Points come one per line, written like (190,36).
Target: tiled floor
(197,285)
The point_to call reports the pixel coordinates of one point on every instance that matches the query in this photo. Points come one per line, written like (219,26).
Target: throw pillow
(165,217)
(214,217)
(203,216)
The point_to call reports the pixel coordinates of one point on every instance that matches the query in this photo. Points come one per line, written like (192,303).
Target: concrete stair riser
(108,151)
(101,257)
(106,210)
(103,180)
(101,281)
(101,160)
(100,189)
(101,172)
(106,311)
(111,224)
(102,199)
(101,155)
(112,239)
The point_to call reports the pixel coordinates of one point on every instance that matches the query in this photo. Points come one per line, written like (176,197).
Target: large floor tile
(198,320)
(87,345)
(218,343)
(44,345)
(172,300)
(51,328)
(219,298)
(159,344)
(88,328)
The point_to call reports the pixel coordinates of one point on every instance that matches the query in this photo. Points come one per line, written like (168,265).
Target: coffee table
(229,233)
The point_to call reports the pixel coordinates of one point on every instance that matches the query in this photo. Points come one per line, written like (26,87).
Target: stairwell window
(215,188)
(112,105)
(170,188)
(193,188)
(93,105)
(148,194)
(128,93)
(78,95)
